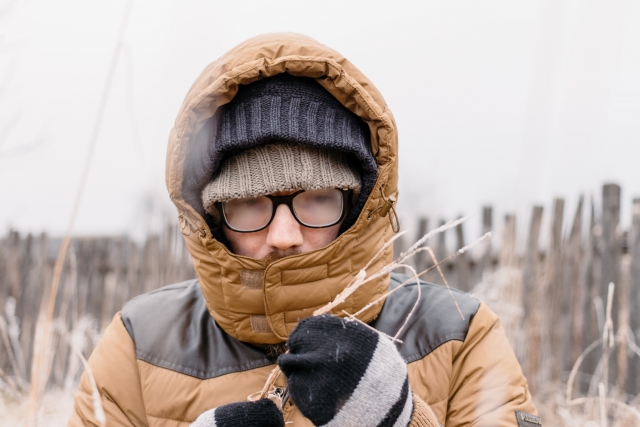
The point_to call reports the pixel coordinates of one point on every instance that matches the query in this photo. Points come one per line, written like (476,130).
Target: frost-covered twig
(361,279)
(98,410)
(355,319)
(435,261)
(459,252)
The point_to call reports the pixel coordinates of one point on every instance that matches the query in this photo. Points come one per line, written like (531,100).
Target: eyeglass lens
(317,208)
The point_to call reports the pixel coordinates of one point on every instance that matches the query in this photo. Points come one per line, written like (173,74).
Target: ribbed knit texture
(262,413)
(423,415)
(342,374)
(279,167)
(283,109)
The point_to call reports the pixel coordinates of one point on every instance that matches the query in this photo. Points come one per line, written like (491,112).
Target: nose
(284,231)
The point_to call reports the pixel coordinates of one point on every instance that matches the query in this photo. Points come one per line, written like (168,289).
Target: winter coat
(176,352)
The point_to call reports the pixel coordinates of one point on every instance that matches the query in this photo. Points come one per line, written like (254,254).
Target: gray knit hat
(282,109)
(279,167)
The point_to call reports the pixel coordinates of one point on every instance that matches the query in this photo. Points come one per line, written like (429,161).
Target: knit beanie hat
(279,167)
(287,133)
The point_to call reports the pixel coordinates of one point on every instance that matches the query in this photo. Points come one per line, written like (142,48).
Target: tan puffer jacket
(174,353)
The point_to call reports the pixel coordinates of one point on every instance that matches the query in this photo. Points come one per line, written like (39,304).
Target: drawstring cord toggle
(387,207)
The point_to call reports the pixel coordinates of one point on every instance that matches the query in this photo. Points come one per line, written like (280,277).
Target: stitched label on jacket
(259,323)
(527,420)
(251,279)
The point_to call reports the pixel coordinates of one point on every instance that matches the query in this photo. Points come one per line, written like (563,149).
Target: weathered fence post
(420,259)
(485,261)
(508,257)
(611,259)
(398,246)
(531,300)
(563,299)
(591,317)
(461,265)
(440,251)
(572,291)
(509,282)
(633,371)
(552,290)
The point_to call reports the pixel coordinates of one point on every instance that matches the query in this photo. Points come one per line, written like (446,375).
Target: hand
(262,413)
(341,373)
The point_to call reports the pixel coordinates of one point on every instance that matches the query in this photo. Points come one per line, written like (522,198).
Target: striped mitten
(263,413)
(341,373)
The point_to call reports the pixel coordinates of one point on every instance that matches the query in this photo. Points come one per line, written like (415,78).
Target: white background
(497,102)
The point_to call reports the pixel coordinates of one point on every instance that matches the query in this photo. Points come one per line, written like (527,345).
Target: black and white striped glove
(341,373)
(262,413)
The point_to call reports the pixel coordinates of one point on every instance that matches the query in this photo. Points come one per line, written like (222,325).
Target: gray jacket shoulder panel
(172,328)
(435,321)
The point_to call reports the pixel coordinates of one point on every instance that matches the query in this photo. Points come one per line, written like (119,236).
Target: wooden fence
(551,299)
(100,274)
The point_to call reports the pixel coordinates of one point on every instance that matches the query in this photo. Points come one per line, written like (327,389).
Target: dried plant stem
(355,319)
(385,246)
(361,278)
(38,368)
(574,371)
(12,326)
(412,250)
(12,387)
(608,339)
(459,252)
(98,410)
(608,400)
(357,281)
(576,366)
(435,261)
(632,345)
(415,305)
(603,404)
(7,344)
(9,387)
(268,385)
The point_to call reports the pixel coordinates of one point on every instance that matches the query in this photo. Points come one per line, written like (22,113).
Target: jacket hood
(249,301)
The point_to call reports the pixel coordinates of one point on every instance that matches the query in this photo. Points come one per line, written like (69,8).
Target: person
(283,166)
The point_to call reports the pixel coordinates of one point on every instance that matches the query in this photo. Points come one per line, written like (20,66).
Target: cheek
(316,238)
(247,244)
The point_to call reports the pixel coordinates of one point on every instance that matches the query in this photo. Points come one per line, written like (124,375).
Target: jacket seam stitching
(140,355)
(168,418)
(224,298)
(447,338)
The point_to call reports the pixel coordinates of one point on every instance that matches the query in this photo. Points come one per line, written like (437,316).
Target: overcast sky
(497,102)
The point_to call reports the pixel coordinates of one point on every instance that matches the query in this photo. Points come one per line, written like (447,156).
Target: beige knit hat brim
(279,167)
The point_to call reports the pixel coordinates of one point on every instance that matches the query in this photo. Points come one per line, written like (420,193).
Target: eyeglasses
(314,209)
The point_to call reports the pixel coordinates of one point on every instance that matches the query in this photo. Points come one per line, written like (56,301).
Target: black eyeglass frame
(288,200)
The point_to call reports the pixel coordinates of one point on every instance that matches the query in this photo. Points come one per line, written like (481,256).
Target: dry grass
(54,403)
(54,411)
(559,403)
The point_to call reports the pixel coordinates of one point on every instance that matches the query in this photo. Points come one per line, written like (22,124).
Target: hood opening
(292,287)
(214,143)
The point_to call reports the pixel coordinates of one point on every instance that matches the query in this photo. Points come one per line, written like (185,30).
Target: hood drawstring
(189,225)
(387,206)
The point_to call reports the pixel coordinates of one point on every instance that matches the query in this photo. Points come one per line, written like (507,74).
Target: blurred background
(517,112)
(497,102)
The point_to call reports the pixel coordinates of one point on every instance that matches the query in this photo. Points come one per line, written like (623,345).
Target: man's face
(283,237)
